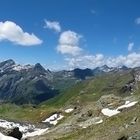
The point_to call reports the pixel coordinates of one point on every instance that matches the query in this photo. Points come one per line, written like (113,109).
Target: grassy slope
(24,113)
(111,129)
(92,90)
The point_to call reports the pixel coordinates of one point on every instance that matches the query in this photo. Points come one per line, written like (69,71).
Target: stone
(89,113)
(123,138)
(134,120)
(15,133)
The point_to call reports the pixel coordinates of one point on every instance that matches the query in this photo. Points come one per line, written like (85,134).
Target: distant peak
(39,67)
(7,63)
(105,66)
(124,67)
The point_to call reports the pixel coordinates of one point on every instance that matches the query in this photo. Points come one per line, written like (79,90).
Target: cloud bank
(93,61)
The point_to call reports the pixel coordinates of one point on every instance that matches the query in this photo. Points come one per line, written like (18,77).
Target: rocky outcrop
(25,84)
(15,133)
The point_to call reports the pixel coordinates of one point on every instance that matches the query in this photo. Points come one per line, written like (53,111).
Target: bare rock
(15,133)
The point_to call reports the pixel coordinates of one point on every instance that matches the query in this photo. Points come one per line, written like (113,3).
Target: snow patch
(37,132)
(10,125)
(108,112)
(54,119)
(20,67)
(111,112)
(98,122)
(69,110)
(27,130)
(127,104)
(3,137)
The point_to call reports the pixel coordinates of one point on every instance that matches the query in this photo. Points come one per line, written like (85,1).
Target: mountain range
(32,84)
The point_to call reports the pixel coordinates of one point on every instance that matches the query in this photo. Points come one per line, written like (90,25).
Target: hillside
(96,104)
(88,99)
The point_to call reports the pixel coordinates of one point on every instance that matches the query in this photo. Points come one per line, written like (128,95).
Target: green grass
(85,91)
(92,89)
(24,113)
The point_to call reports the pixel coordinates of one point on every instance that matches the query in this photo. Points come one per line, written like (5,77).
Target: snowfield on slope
(3,137)
(127,104)
(111,112)
(54,119)
(29,130)
(10,125)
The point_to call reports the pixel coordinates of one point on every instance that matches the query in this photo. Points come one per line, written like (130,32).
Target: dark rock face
(15,133)
(128,87)
(82,74)
(39,68)
(25,84)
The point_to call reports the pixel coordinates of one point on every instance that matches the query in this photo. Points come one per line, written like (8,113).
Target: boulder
(15,133)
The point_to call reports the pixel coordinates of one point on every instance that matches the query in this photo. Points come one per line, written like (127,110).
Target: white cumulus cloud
(54,25)
(130,46)
(69,43)
(12,32)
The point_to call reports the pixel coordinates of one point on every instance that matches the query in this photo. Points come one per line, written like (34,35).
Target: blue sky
(71,33)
